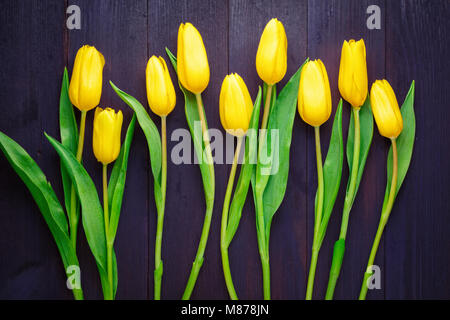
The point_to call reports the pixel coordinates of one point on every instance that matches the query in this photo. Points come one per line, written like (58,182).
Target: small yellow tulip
(385,109)
(271,57)
(160,92)
(314,96)
(353,72)
(236,105)
(193,67)
(85,87)
(106,137)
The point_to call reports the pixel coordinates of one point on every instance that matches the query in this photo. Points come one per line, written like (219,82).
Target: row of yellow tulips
(235,102)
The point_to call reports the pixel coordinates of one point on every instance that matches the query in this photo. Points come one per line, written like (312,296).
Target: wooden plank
(119,31)
(288,236)
(31,55)
(329,24)
(185,201)
(418,249)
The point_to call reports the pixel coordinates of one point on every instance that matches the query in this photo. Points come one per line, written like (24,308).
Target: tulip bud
(271,57)
(106,137)
(385,109)
(353,72)
(160,91)
(314,96)
(193,67)
(85,87)
(236,105)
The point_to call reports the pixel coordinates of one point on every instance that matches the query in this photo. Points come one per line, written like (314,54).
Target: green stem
(262,243)
(223,230)
(73,200)
(383,220)
(78,294)
(267,107)
(73,216)
(350,195)
(209,206)
(348,203)
(109,245)
(159,228)
(318,216)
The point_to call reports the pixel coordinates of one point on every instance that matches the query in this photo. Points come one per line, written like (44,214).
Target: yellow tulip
(353,73)
(160,92)
(85,87)
(314,96)
(385,109)
(106,137)
(235,105)
(193,67)
(271,57)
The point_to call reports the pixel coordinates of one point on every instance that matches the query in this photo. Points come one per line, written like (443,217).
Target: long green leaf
(43,195)
(332,171)
(192,117)
(116,184)
(92,212)
(247,168)
(69,136)
(405,143)
(366,129)
(279,127)
(153,140)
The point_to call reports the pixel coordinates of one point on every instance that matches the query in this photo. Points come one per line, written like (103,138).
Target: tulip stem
(263,249)
(209,195)
(318,216)
(223,231)
(383,220)
(267,107)
(109,245)
(73,216)
(348,203)
(73,200)
(159,228)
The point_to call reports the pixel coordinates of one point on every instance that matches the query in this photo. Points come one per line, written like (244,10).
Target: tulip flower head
(271,57)
(106,137)
(160,91)
(385,109)
(353,73)
(85,87)
(193,66)
(314,95)
(236,105)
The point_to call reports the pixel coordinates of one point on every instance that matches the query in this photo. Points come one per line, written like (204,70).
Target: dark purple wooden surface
(412,44)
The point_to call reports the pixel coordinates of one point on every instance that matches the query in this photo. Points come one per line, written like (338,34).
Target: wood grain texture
(412,44)
(417,241)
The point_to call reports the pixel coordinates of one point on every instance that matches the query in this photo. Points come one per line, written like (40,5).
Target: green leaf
(92,212)
(43,195)
(332,171)
(366,134)
(247,168)
(153,141)
(69,137)
(281,121)
(116,184)
(405,144)
(192,117)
